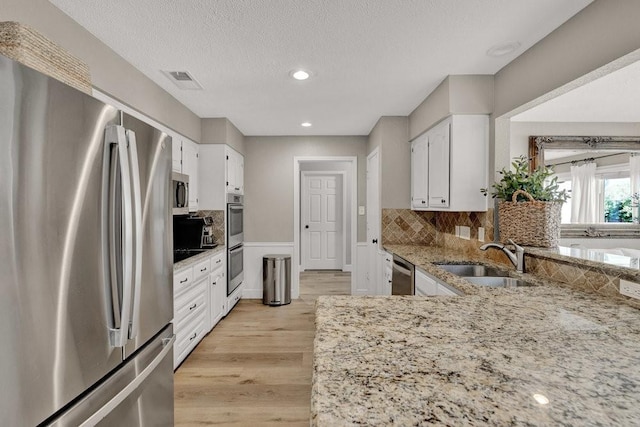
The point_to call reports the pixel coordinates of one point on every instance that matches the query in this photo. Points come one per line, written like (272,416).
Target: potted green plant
(530,204)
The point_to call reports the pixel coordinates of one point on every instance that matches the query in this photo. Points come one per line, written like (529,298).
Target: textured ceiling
(369,58)
(614,97)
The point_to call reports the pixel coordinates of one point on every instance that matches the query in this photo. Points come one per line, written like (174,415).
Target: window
(615,202)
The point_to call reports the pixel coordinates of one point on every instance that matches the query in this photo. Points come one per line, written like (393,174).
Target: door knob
(306,226)
(374,241)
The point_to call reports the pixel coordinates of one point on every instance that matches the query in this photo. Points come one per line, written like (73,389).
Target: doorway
(323,221)
(347,168)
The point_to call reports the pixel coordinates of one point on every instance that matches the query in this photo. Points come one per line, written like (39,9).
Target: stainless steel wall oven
(235,240)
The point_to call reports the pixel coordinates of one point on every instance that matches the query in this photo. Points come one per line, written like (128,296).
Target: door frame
(352,161)
(343,174)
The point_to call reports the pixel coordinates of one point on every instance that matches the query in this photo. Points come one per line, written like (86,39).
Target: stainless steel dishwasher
(402,277)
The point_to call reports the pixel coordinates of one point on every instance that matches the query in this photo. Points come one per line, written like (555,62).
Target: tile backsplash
(405,226)
(217,230)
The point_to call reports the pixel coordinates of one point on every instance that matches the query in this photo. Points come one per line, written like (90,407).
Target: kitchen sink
(497,282)
(473,270)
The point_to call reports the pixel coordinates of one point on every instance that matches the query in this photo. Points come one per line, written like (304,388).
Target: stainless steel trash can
(276,279)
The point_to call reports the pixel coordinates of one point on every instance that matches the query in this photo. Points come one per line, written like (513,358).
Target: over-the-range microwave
(180,193)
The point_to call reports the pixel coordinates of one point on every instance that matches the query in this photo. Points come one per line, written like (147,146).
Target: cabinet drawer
(188,338)
(182,280)
(217,263)
(201,269)
(186,305)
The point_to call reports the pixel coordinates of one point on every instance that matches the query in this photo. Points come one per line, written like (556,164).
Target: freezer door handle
(138,235)
(131,387)
(116,138)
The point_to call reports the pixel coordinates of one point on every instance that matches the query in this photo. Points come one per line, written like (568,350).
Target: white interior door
(321,235)
(373,220)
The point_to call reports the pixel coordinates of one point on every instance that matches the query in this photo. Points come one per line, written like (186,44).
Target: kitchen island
(540,355)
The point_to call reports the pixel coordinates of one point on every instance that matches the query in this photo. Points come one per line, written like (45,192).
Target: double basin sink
(483,275)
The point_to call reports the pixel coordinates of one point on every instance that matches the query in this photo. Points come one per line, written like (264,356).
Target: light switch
(480,234)
(465,232)
(360,210)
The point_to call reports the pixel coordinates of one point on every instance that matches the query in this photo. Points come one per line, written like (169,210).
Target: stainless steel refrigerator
(86,293)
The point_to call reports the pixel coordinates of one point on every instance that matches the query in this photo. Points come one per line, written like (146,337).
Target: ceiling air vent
(183,80)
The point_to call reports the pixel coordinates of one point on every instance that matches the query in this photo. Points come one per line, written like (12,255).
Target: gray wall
(602,32)
(220,130)
(468,94)
(110,73)
(592,41)
(268,166)
(391,136)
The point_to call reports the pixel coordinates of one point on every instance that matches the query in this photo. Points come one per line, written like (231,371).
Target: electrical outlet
(465,232)
(480,234)
(629,289)
(457,231)
(360,210)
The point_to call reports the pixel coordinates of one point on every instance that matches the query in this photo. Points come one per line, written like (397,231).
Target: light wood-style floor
(254,368)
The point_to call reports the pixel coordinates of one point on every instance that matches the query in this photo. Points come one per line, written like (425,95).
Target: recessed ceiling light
(300,74)
(305,124)
(503,49)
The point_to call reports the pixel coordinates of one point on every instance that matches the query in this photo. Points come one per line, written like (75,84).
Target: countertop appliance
(85,259)
(191,236)
(402,277)
(180,193)
(235,240)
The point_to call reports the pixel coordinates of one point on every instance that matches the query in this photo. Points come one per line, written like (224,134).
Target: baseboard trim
(252,294)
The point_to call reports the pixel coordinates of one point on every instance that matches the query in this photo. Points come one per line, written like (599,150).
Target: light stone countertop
(196,258)
(477,359)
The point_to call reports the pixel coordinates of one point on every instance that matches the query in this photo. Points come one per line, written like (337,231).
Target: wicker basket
(532,223)
(27,46)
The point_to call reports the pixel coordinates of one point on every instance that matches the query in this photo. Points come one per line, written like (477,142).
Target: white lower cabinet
(387,272)
(199,302)
(189,319)
(217,290)
(427,286)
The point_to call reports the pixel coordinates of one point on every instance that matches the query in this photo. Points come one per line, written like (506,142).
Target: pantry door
(321,234)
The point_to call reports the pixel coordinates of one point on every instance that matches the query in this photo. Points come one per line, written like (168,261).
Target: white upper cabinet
(448,174)
(176,155)
(235,171)
(184,155)
(190,167)
(438,170)
(419,172)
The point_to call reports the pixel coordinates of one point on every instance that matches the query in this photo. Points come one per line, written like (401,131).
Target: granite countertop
(427,259)
(194,259)
(477,359)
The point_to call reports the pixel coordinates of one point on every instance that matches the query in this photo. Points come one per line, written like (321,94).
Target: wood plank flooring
(255,367)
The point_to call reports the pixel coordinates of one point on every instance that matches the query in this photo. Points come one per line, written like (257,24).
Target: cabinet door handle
(195,334)
(423,202)
(185,280)
(218,261)
(193,306)
(204,269)
(214,283)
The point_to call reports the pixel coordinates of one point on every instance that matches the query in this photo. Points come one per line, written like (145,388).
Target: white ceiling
(370,58)
(614,97)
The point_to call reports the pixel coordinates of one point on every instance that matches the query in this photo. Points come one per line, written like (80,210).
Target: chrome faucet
(516,258)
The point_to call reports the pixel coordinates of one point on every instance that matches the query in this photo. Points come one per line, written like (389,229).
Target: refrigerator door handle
(131,387)
(138,235)
(116,135)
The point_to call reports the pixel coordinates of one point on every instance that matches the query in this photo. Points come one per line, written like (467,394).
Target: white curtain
(584,194)
(634,169)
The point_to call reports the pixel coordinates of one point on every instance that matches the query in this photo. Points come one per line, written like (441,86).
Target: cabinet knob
(306,226)
(423,202)
(374,241)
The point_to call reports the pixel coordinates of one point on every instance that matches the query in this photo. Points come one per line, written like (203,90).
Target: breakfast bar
(538,355)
